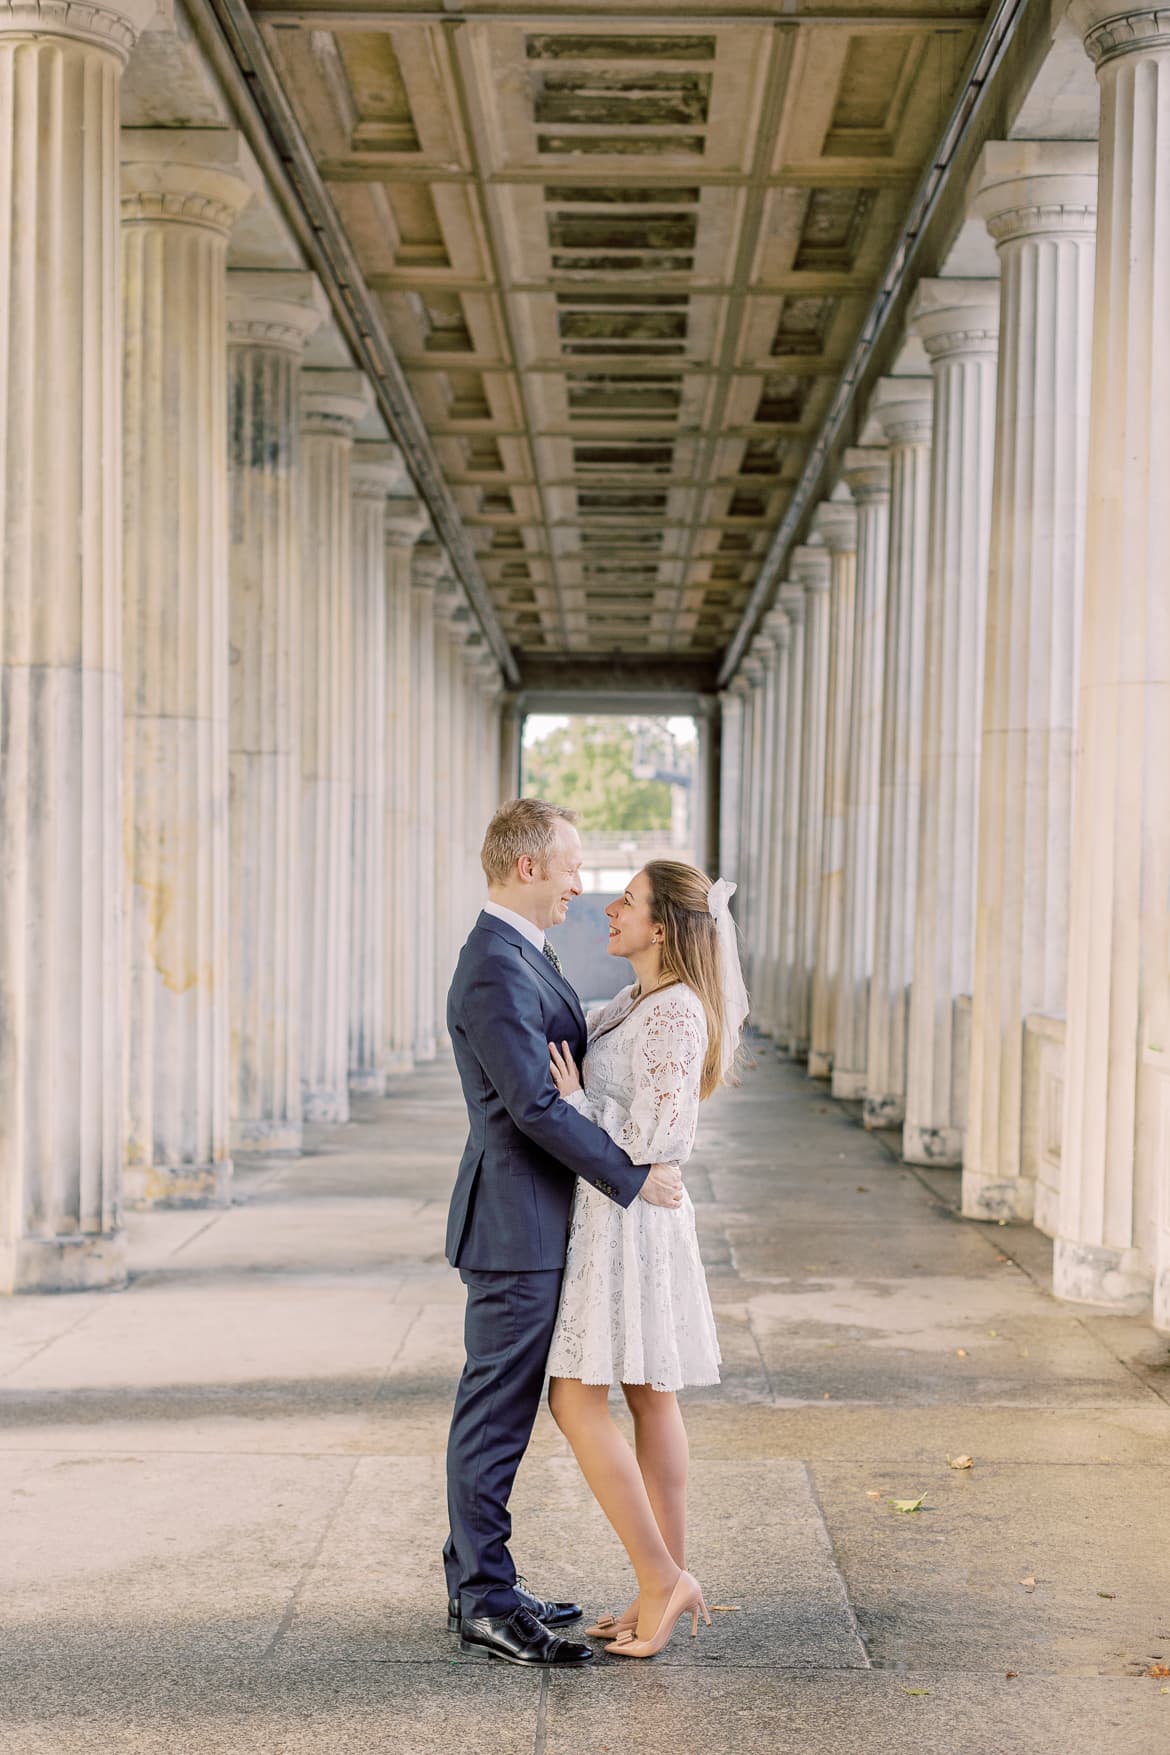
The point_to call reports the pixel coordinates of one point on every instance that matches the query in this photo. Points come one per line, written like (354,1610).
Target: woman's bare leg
(581,1410)
(663,1452)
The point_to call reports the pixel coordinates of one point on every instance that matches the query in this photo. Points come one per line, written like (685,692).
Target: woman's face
(630,927)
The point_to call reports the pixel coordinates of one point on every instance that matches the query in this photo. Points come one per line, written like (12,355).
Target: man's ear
(526,868)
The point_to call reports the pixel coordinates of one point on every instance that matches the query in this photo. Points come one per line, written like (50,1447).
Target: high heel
(685,1598)
(608,1626)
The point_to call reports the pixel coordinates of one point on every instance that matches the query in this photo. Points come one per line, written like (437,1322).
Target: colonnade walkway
(222,1488)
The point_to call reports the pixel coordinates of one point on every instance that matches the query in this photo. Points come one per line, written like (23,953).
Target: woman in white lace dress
(635,1308)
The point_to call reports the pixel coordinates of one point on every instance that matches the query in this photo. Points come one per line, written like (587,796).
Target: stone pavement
(221,1498)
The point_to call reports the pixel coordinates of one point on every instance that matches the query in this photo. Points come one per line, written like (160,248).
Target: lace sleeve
(668,1066)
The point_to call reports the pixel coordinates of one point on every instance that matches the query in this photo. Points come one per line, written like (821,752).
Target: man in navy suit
(509,1219)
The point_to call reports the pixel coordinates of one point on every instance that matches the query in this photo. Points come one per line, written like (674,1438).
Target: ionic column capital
(407,521)
(281,309)
(865,470)
(115,25)
(904,409)
(430,564)
(811,566)
(377,471)
(186,176)
(752,670)
(956,319)
(836,522)
(333,403)
(1037,188)
(790,597)
(1110,33)
(778,626)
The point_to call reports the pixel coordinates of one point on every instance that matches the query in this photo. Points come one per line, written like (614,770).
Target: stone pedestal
(181,194)
(270,317)
(1114,1167)
(810,567)
(903,409)
(836,523)
(331,403)
(958,322)
(376,471)
(61,648)
(405,522)
(866,471)
(1039,202)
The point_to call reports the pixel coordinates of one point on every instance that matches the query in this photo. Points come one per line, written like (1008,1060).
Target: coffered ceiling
(622,257)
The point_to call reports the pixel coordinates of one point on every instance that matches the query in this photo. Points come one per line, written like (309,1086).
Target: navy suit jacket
(514,1191)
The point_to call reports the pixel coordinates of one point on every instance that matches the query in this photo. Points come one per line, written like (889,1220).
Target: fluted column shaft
(755,915)
(176,216)
(866,471)
(836,522)
(730,753)
(764,651)
(811,569)
(1114,1235)
(958,322)
(332,403)
(427,568)
(61,649)
(770,879)
(1039,201)
(376,471)
(270,317)
(405,522)
(903,409)
(791,600)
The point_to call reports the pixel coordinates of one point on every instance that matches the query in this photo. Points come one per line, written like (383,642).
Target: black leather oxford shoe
(552,1614)
(519,1638)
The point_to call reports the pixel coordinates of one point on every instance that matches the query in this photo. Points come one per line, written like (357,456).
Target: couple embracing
(571,1228)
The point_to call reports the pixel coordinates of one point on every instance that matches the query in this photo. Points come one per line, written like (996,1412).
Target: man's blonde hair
(522,826)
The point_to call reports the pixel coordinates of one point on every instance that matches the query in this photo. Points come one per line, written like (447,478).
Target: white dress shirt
(532,933)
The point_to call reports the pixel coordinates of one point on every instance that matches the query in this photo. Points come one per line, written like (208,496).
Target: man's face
(555,884)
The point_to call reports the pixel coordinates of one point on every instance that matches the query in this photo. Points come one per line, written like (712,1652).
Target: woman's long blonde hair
(690,948)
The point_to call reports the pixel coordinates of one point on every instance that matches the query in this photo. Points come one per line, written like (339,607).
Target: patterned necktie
(553,958)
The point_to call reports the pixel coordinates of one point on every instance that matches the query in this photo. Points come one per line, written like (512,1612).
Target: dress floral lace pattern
(635,1306)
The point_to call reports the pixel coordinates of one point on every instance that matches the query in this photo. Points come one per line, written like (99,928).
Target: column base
(83,1263)
(820,1066)
(1162,1301)
(367,1084)
(1087,1273)
(1012,1198)
(424,1048)
(848,1085)
(1047,1215)
(399,1064)
(879,1112)
(148,1186)
(272,1139)
(932,1145)
(325,1105)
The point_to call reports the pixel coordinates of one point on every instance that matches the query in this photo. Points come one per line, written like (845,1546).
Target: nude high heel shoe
(685,1598)
(609,1626)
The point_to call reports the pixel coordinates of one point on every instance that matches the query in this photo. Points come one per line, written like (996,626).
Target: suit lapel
(538,961)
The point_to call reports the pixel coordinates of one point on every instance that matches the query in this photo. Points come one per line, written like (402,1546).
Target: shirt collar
(532,933)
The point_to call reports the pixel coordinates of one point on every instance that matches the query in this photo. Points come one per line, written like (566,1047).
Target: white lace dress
(634,1305)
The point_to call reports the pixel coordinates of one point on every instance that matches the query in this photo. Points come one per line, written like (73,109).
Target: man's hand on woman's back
(663,1187)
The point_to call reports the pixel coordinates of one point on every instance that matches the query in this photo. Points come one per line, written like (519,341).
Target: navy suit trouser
(507,1331)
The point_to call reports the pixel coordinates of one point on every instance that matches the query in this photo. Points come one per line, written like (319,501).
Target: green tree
(589,765)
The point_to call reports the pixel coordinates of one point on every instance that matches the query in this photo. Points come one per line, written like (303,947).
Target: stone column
(61,647)
(836,523)
(332,403)
(731,741)
(181,193)
(1114,1168)
(791,600)
(429,564)
(754,930)
(1039,201)
(866,471)
(903,409)
(270,317)
(810,567)
(376,471)
(764,650)
(406,520)
(958,322)
(511,731)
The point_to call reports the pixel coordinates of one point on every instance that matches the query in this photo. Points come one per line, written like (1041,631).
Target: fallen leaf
(724,1609)
(1158,1670)
(908,1504)
(1028,1583)
(914,1692)
(961,1462)
(825,1396)
(1002,1258)
(993,1332)
(960,1352)
(862,1189)
(873,1493)
(1107,1594)
(1012,1674)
